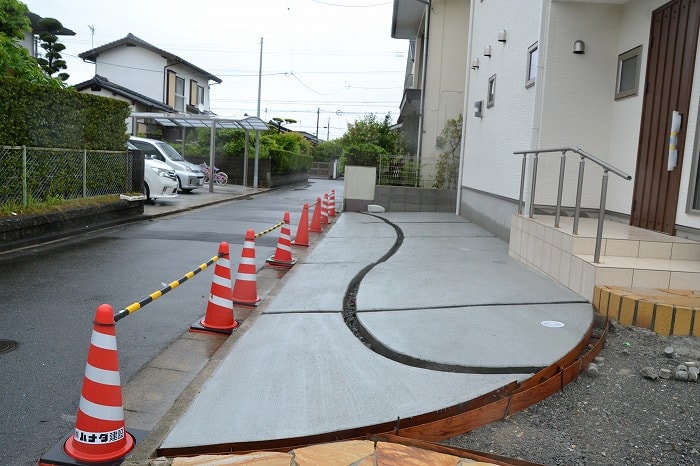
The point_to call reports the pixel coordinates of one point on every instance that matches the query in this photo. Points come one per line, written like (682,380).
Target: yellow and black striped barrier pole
(130,309)
(272,228)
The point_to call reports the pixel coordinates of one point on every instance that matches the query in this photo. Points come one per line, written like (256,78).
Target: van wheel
(146,191)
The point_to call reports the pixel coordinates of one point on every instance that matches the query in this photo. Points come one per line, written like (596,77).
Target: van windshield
(172,153)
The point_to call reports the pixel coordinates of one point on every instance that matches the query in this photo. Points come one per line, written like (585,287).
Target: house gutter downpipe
(465,109)
(419,154)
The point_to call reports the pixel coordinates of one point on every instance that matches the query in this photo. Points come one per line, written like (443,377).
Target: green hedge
(283,161)
(44,116)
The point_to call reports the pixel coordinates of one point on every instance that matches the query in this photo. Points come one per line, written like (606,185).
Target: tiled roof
(100,82)
(130,39)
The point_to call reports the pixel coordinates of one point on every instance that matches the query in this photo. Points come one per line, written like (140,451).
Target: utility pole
(92,41)
(318,113)
(257,133)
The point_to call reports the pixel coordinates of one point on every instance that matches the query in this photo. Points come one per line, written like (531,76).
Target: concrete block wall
(407,199)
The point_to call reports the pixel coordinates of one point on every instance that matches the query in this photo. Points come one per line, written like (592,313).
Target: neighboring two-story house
(31,38)
(148,77)
(435,72)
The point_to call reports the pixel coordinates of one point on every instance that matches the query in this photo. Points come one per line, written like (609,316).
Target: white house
(607,77)
(132,64)
(600,94)
(435,72)
(584,74)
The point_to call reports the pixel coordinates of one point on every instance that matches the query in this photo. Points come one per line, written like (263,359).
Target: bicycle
(220,177)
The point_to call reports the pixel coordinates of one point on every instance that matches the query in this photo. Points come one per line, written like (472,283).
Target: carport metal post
(257,133)
(212,151)
(245,160)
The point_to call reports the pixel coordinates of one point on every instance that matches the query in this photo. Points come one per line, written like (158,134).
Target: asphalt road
(49,294)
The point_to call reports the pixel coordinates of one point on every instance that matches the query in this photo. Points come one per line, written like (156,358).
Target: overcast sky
(334,55)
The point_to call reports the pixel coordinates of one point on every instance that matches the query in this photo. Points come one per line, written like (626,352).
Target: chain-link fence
(398,170)
(30,175)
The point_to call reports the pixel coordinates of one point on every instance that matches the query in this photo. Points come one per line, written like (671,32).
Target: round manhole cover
(7,345)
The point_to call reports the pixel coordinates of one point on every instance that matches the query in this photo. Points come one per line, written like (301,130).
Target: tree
(278,122)
(15,60)
(368,139)
(447,166)
(52,62)
(14,19)
(371,131)
(327,150)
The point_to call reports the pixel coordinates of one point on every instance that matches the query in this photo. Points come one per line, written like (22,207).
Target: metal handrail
(579,188)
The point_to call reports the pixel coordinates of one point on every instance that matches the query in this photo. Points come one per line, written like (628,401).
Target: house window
(193,92)
(170,89)
(532,58)
(628,65)
(491,93)
(180,94)
(200,95)
(696,198)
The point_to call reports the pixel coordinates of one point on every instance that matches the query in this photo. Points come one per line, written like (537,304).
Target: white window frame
(179,96)
(621,59)
(491,92)
(200,94)
(533,51)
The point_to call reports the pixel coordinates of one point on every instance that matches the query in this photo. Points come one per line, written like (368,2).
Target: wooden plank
(459,424)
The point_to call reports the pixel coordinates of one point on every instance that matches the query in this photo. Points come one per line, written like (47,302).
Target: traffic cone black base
(200,327)
(275,263)
(56,456)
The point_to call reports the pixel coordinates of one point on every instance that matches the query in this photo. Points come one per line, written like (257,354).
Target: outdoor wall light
(487,51)
(579,47)
(475,64)
(502,36)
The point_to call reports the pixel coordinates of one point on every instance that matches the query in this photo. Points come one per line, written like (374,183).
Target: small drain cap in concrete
(552,323)
(375,209)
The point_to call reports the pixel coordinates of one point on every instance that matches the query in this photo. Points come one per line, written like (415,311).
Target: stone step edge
(674,265)
(666,312)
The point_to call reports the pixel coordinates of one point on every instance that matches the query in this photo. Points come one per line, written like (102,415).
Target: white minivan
(189,175)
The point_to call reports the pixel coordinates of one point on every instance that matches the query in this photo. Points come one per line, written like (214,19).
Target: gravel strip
(638,405)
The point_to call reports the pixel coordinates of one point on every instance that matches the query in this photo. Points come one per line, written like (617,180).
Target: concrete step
(630,256)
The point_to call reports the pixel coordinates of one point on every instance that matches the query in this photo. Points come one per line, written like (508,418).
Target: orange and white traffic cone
(324,211)
(245,290)
(331,204)
(302,237)
(100,432)
(283,254)
(316,219)
(219,317)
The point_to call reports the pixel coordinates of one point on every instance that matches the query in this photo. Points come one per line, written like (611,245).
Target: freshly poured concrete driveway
(447,297)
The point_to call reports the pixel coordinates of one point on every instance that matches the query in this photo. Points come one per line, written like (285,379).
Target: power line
(351,6)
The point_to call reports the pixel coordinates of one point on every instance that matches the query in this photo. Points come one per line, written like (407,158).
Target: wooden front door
(669,77)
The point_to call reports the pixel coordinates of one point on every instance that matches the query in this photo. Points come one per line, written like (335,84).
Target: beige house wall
(446,71)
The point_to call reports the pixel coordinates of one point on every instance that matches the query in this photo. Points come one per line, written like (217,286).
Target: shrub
(45,116)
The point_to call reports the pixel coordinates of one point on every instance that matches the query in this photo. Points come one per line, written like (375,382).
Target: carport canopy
(250,123)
